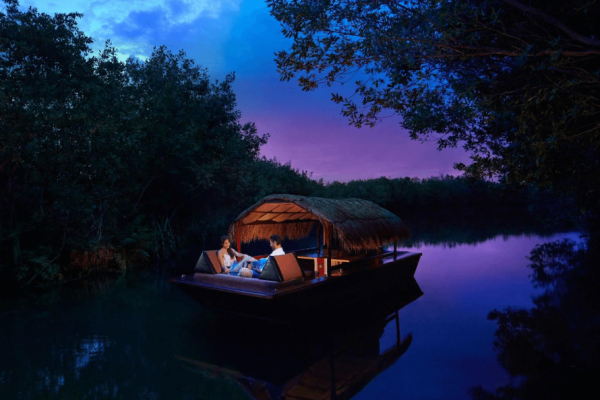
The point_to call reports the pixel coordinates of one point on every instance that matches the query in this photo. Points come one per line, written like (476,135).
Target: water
(452,347)
(139,337)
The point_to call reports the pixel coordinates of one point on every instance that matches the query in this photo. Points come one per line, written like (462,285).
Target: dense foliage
(400,195)
(515,82)
(96,153)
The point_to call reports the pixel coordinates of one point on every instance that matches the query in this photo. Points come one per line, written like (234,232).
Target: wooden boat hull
(386,276)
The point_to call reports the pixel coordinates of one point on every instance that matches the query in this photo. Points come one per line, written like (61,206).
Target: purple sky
(306,129)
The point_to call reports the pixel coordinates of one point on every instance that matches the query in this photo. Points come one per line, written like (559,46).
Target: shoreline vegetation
(107,164)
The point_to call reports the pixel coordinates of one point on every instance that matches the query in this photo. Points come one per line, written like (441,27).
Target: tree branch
(553,21)
(141,194)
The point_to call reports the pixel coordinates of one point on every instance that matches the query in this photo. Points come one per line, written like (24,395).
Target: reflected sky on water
(452,347)
(118,338)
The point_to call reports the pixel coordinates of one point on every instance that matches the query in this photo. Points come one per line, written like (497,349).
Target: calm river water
(137,337)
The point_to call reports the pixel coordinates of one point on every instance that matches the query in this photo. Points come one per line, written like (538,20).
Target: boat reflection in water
(330,355)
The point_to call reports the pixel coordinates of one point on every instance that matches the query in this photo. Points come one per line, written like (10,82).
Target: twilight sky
(307,129)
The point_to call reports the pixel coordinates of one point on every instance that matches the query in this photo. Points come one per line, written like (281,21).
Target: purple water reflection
(452,338)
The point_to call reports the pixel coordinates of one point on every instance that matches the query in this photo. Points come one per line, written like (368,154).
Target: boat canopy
(356,224)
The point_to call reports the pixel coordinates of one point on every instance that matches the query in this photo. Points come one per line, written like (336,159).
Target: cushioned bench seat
(238,282)
(282,268)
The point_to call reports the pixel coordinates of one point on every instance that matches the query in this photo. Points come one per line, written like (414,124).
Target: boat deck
(403,263)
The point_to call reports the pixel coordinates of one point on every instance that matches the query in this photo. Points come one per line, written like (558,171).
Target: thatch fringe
(249,233)
(358,225)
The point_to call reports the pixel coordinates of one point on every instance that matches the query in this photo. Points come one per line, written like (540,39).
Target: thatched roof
(357,224)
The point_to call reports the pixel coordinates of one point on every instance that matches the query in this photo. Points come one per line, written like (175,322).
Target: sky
(306,128)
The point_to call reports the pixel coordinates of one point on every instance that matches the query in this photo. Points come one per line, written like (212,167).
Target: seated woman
(229,263)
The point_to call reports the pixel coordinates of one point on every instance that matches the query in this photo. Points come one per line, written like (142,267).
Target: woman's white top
(227,260)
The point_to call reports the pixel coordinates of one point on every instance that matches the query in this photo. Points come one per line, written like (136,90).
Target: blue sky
(240,36)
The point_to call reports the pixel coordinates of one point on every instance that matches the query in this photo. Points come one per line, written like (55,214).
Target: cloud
(135,26)
(175,12)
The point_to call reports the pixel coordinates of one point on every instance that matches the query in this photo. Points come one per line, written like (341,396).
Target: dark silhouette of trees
(513,81)
(95,152)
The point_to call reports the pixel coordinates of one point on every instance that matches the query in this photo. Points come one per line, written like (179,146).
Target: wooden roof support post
(319,242)
(237,237)
(329,243)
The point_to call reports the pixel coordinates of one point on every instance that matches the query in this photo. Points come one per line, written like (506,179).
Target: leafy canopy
(97,152)
(514,82)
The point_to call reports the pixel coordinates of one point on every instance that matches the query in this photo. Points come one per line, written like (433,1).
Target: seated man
(275,243)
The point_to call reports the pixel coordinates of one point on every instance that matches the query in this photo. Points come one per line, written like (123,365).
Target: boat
(331,357)
(355,255)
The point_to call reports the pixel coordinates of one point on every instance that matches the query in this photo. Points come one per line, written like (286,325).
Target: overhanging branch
(553,21)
